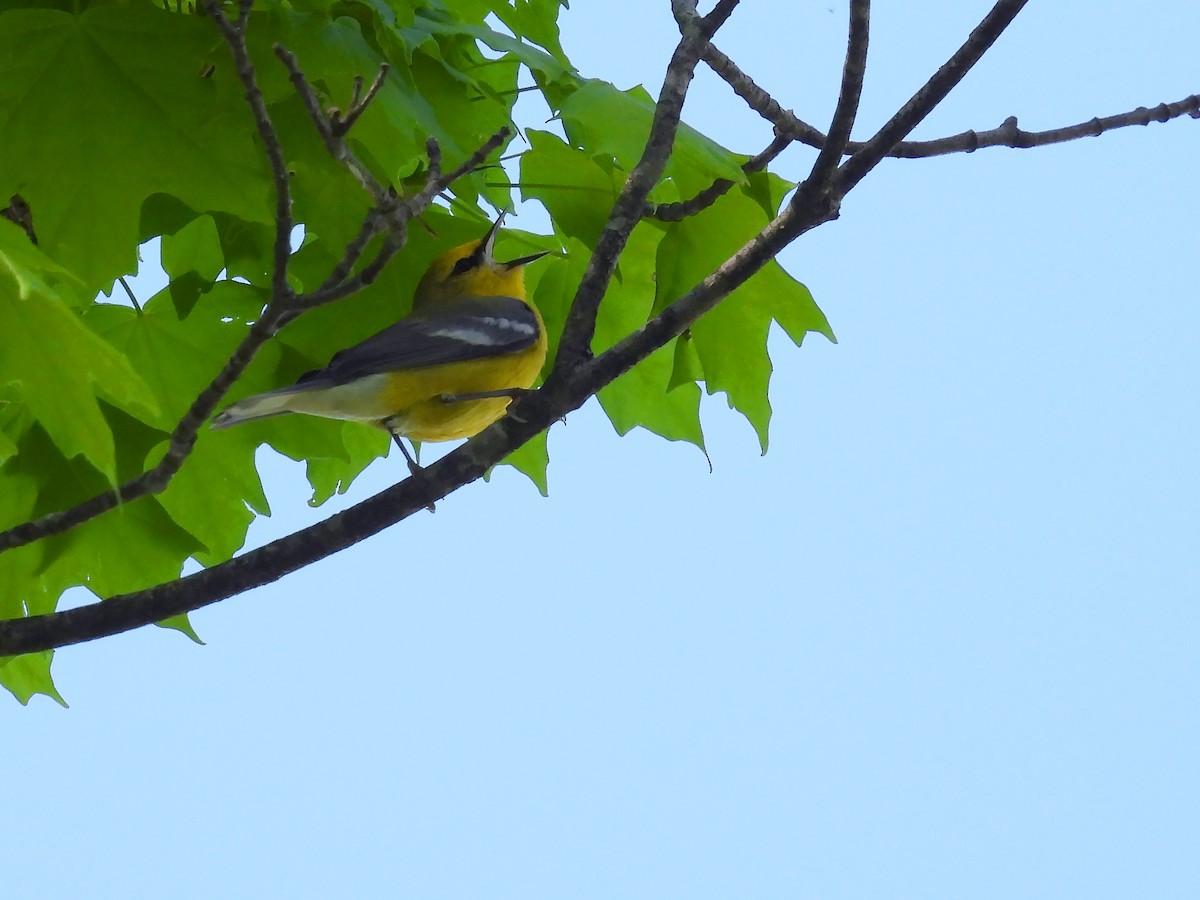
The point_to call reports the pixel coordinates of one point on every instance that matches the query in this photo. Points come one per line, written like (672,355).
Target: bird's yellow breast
(417,410)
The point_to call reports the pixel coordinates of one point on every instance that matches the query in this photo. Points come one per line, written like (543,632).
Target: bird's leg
(414,468)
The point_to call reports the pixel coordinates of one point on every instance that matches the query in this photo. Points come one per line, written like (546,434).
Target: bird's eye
(464,265)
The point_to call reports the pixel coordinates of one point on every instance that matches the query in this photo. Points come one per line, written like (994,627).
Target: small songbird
(446,371)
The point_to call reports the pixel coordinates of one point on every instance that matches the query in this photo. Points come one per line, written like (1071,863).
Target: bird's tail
(259,406)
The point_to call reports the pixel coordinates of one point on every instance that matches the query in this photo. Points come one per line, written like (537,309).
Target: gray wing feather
(458,331)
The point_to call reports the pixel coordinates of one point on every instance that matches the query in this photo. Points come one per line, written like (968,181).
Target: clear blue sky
(941,642)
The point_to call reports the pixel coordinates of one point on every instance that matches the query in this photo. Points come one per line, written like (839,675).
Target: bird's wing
(457,331)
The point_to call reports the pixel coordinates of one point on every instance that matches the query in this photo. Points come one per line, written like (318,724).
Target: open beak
(489,243)
(489,239)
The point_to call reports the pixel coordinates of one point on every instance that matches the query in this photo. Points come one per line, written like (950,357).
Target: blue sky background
(941,641)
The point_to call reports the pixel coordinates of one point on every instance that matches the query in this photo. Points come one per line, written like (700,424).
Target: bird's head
(470,270)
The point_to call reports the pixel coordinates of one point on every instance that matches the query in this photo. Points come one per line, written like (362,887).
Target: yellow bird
(446,371)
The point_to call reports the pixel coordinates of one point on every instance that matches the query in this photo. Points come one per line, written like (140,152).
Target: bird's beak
(489,242)
(525,260)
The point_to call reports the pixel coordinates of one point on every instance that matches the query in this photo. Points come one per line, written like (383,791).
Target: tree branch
(853,71)
(682,209)
(358,103)
(235,37)
(1006,135)
(333,131)
(982,37)
(397,215)
(1009,135)
(575,345)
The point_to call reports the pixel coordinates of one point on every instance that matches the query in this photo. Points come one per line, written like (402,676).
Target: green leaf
(768,190)
(685,366)
(194,248)
(176,356)
(7,447)
(21,591)
(576,191)
(182,624)
(551,66)
(130,547)
(213,495)
(532,460)
(534,20)
(588,115)
(730,341)
(644,395)
(56,365)
(360,446)
(129,78)
(96,555)
(29,674)
(247,247)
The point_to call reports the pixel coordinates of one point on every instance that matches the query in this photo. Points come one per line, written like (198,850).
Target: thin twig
(330,130)
(1006,135)
(682,209)
(235,37)
(129,292)
(342,124)
(1009,135)
(397,215)
(760,100)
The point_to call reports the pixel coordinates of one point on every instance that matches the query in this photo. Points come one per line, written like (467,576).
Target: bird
(446,371)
